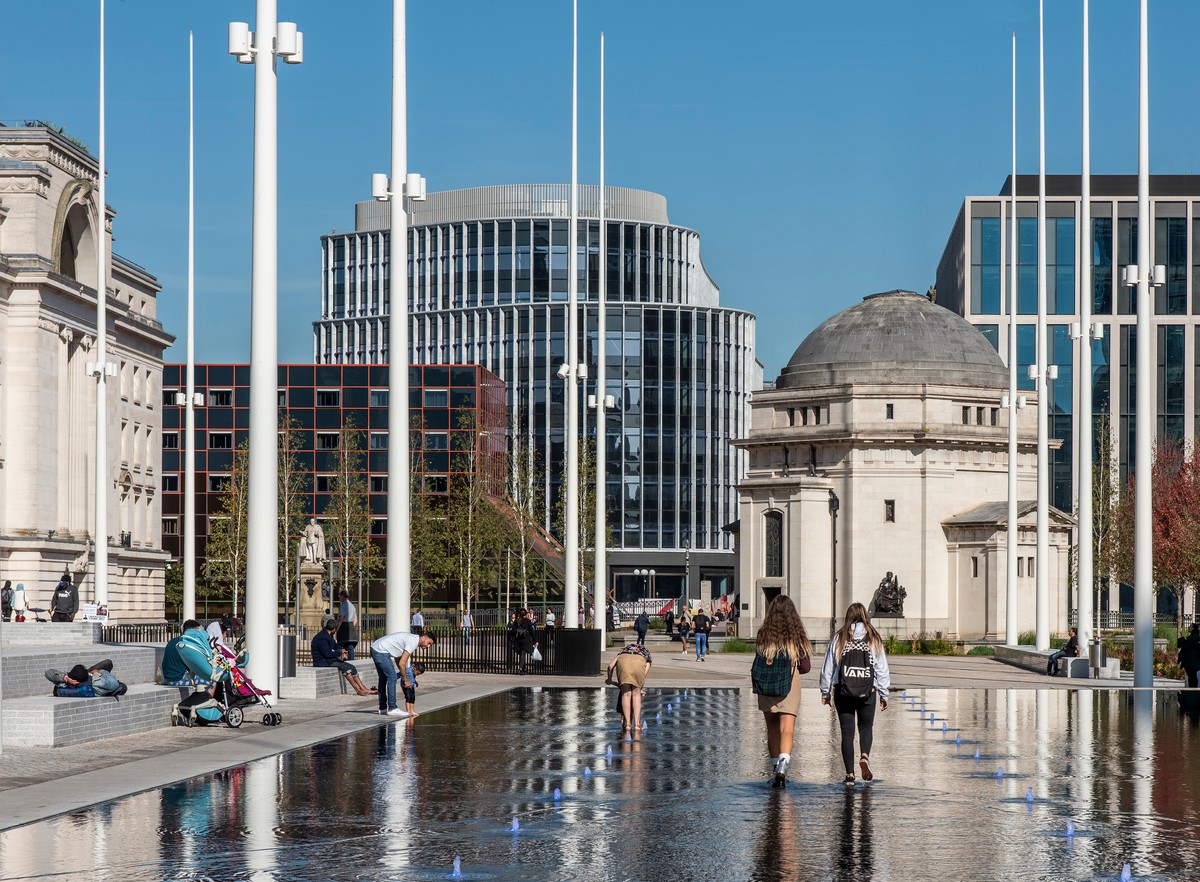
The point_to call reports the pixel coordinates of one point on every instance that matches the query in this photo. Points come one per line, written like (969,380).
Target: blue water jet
(1126,874)
(944,729)
(669,708)
(658,716)
(976,754)
(456,873)
(608,751)
(931,716)
(587,771)
(1070,828)
(557,795)
(1029,795)
(516,825)
(999,771)
(958,740)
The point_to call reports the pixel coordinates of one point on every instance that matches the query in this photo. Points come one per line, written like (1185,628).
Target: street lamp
(272,39)
(647,581)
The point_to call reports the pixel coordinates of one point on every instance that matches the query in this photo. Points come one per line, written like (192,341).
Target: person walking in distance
(854,672)
(347,625)
(782,654)
(701,628)
(641,625)
(523,641)
(685,627)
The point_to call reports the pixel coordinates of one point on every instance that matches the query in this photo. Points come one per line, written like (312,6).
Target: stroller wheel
(233,717)
(273,719)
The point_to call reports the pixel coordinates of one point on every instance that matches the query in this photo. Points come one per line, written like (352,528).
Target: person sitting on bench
(1071,650)
(328,653)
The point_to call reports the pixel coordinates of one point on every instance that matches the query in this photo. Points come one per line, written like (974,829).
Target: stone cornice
(33,145)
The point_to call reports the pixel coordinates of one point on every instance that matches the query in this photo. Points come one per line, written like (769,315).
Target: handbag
(537,653)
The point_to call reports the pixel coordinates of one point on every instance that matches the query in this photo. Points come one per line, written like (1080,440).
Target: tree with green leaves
(587,511)
(293,488)
(347,515)
(225,558)
(479,529)
(526,494)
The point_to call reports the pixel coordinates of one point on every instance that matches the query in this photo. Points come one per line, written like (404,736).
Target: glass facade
(964,284)
(468,397)
(488,280)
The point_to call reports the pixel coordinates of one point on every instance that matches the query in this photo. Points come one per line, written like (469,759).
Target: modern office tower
(968,282)
(49,243)
(488,284)
(445,401)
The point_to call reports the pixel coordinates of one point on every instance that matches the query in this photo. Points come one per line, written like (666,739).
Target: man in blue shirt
(328,653)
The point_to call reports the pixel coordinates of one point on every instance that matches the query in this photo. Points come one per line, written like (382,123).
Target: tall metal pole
(399,546)
(571,587)
(101,364)
(262,540)
(1143,539)
(600,579)
(1042,554)
(1011,625)
(189,409)
(1084,453)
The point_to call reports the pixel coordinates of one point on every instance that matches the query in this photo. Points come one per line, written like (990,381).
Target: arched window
(773,528)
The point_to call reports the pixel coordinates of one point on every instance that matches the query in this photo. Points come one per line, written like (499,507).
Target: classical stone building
(48,253)
(883,448)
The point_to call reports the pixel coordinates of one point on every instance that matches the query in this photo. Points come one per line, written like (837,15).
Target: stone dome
(895,337)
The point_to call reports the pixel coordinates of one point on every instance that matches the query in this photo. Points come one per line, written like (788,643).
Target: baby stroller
(233,693)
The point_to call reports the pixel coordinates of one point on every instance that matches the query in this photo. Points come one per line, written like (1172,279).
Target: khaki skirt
(787,704)
(630,670)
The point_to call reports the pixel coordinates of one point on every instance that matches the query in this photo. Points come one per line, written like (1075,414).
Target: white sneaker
(397,712)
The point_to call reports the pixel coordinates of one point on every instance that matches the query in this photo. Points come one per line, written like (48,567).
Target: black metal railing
(573,652)
(157,632)
(1121,620)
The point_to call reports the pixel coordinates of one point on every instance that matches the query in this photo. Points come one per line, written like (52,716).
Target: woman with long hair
(854,672)
(782,654)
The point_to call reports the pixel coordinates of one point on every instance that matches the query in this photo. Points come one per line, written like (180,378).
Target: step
(40,634)
(24,668)
(46,721)
(311,682)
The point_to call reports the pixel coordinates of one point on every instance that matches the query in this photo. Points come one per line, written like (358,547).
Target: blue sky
(821,150)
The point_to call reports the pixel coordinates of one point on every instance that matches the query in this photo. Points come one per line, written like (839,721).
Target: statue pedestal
(313,605)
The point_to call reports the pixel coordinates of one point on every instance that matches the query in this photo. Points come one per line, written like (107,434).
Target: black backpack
(856,675)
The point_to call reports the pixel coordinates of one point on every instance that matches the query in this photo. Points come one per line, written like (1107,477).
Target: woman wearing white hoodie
(856,664)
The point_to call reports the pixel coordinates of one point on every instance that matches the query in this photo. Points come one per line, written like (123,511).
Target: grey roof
(997,513)
(895,337)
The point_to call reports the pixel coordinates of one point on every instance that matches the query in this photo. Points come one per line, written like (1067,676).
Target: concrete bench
(41,634)
(311,682)
(46,721)
(1036,660)
(24,672)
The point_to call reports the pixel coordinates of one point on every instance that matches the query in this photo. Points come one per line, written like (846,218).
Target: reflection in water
(685,799)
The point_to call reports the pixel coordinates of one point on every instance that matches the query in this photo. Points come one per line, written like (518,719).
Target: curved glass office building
(488,273)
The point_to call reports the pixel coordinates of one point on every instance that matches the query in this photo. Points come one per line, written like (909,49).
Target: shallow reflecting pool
(688,799)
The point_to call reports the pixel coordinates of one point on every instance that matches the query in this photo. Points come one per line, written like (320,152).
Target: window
(170,483)
(966,416)
(170,526)
(379,483)
(437,440)
(791,416)
(218,483)
(437,398)
(168,397)
(379,440)
(220,440)
(889,510)
(170,440)
(974,568)
(378,526)
(979,416)
(1029,568)
(324,483)
(437,484)
(220,398)
(329,398)
(327,440)
(995,416)
(281,399)
(890,411)
(773,528)
(379,398)
(1020,568)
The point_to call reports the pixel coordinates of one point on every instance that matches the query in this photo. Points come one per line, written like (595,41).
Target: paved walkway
(42,782)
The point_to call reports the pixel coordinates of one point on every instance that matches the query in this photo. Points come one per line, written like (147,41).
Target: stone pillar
(64,434)
(313,606)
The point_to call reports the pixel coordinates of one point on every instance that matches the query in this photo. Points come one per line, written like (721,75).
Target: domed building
(878,474)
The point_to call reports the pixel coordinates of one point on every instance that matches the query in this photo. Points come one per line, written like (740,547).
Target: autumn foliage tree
(1175,521)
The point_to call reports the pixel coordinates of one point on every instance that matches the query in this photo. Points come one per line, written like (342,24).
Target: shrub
(982,650)
(1165,662)
(1027,638)
(892,646)
(736,644)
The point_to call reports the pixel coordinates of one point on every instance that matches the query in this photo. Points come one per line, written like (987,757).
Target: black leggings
(848,709)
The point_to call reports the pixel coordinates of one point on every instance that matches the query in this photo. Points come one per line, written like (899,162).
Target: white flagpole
(1011,625)
(1084,454)
(189,420)
(1042,555)
(600,578)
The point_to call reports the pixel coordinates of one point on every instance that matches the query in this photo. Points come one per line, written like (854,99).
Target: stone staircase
(33,717)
